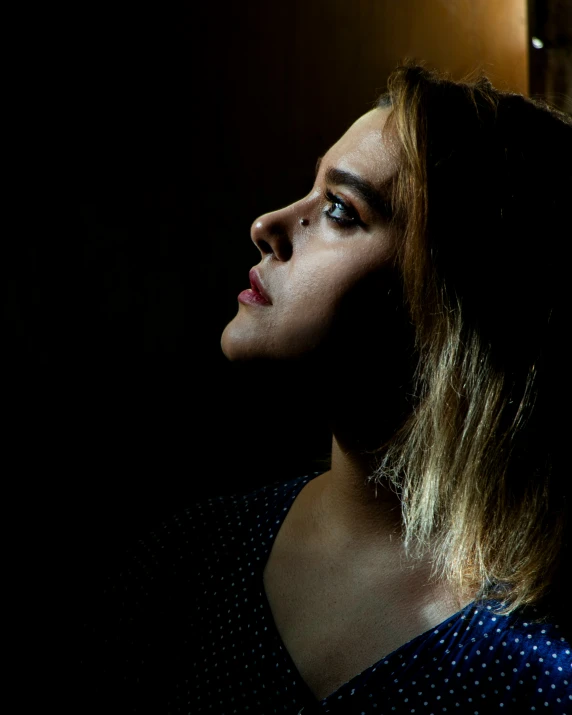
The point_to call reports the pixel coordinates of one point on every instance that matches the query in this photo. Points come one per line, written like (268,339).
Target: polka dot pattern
(185,627)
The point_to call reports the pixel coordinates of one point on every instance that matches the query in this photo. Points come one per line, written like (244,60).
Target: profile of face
(327,259)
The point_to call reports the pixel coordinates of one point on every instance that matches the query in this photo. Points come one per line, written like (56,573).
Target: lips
(257,286)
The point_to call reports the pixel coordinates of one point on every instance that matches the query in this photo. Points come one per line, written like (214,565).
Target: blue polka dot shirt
(185,627)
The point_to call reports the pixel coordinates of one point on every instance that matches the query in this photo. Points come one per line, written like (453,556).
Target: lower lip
(251,297)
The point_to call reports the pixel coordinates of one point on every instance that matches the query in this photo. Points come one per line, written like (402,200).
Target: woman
(417,295)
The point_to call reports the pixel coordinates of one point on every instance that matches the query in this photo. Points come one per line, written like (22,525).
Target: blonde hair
(482,201)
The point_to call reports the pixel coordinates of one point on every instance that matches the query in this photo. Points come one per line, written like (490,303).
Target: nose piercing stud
(304,221)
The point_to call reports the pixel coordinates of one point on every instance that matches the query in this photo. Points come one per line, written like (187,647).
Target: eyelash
(350,222)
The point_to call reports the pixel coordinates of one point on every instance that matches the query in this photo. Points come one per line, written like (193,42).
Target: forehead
(365,149)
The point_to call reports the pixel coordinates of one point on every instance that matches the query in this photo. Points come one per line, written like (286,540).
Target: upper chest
(338,614)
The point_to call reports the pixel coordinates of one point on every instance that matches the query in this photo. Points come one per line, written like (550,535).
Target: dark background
(180,124)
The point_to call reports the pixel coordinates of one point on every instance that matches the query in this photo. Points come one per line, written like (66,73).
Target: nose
(273,232)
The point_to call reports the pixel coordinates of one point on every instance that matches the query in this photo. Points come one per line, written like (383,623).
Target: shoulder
(526,651)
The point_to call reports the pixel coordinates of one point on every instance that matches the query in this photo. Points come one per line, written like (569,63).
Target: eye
(340,212)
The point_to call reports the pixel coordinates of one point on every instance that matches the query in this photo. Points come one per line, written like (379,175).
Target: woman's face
(335,262)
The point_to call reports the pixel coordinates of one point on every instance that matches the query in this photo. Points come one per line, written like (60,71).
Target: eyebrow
(379,200)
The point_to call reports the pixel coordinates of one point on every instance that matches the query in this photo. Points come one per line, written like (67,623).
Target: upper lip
(256,284)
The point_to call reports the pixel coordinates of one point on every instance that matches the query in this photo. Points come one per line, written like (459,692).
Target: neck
(361,418)
(361,511)
(358,389)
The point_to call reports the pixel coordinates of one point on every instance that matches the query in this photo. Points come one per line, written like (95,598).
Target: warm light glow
(537,43)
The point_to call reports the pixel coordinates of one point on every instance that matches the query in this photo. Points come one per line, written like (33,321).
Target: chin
(297,344)
(230,346)
(237,345)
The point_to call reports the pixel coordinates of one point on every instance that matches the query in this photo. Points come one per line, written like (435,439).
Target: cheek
(321,280)
(303,323)
(318,315)
(336,280)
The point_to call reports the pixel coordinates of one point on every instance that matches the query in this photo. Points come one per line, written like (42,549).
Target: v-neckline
(395,653)
(390,656)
